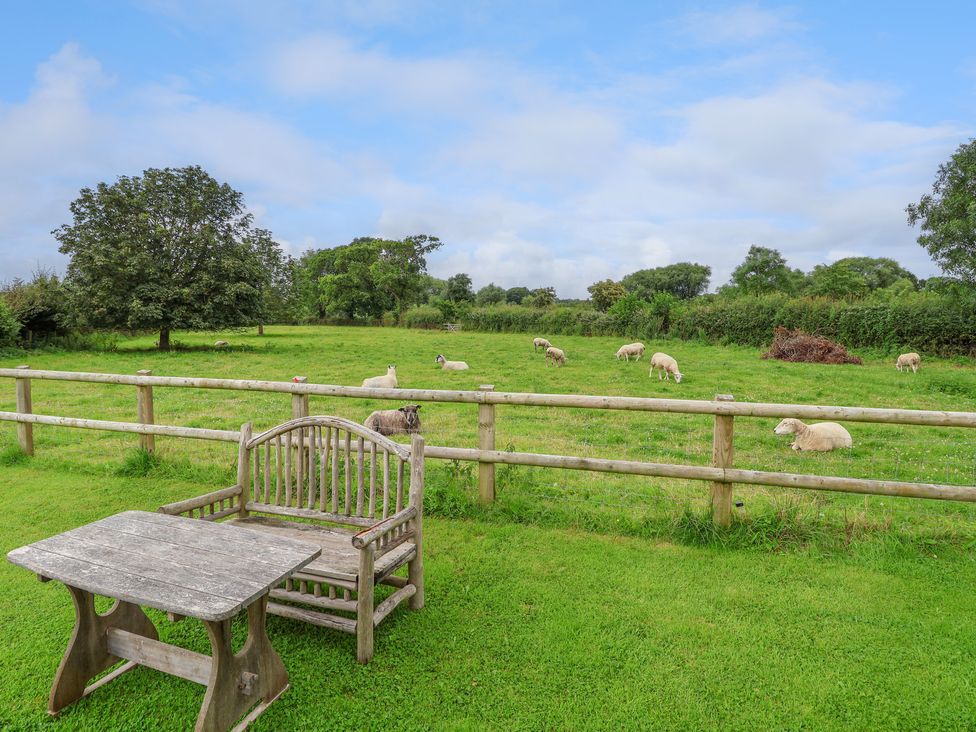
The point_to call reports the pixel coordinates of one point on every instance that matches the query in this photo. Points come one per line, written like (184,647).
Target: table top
(191,567)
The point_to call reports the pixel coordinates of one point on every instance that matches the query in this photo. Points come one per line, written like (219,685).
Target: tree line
(176,249)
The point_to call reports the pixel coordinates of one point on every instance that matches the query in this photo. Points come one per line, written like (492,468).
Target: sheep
(822,436)
(451,365)
(538,343)
(667,365)
(389,381)
(221,344)
(907,360)
(631,349)
(404,420)
(555,355)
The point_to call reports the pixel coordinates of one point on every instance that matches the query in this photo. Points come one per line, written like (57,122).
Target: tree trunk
(260,329)
(164,339)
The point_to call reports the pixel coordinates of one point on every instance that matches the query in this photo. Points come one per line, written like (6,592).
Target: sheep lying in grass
(389,381)
(538,343)
(555,356)
(221,344)
(451,365)
(822,436)
(402,421)
(667,365)
(908,360)
(631,349)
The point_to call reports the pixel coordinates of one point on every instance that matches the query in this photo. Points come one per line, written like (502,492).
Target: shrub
(9,327)
(800,346)
(423,316)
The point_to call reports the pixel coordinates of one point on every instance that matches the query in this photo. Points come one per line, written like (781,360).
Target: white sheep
(404,420)
(221,344)
(555,356)
(538,343)
(822,436)
(631,349)
(388,381)
(667,365)
(908,360)
(451,365)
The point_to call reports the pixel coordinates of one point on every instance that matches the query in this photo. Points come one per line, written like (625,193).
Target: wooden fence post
(144,408)
(299,402)
(25,431)
(722,454)
(486,441)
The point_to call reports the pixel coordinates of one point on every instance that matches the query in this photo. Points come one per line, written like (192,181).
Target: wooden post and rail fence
(721,475)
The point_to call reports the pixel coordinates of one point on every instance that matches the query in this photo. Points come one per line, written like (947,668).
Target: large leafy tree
(170,249)
(605,293)
(837,280)
(459,288)
(764,270)
(369,276)
(279,296)
(947,216)
(684,280)
(490,294)
(515,295)
(878,272)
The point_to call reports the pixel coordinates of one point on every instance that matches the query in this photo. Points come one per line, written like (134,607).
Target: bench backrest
(329,468)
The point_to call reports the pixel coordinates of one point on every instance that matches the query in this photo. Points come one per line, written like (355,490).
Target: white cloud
(739,24)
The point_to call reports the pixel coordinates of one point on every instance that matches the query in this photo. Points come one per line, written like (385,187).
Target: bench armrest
(379,530)
(209,506)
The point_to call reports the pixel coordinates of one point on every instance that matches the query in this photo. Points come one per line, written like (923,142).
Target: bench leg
(364,605)
(87,654)
(255,675)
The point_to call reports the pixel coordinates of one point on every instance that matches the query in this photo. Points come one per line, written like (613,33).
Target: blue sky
(546,143)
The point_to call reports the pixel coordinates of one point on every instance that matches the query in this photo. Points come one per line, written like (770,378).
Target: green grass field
(579,600)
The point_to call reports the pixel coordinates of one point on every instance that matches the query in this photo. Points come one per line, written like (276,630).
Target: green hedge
(925,322)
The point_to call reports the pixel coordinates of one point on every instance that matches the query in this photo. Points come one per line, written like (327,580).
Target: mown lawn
(579,600)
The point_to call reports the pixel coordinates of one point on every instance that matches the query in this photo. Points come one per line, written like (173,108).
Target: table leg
(255,675)
(87,654)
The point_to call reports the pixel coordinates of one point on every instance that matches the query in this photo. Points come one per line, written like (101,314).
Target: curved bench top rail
(402,451)
(648,404)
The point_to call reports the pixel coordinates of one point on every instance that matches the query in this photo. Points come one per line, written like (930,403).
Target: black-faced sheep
(451,365)
(402,421)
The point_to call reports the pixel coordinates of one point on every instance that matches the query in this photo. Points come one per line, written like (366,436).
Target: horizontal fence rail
(721,474)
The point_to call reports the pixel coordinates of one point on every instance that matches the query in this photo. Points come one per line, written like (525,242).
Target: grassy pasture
(580,600)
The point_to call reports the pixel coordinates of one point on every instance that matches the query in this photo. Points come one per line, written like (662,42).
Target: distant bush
(9,327)
(423,316)
(798,346)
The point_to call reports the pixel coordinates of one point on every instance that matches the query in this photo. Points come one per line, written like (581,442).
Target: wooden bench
(364,493)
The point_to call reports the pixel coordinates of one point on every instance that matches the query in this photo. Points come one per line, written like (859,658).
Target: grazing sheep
(402,421)
(555,355)
(631,349)
(451,365)
(822,436)
(538,343)
(389,381)
(907,360)
(667,365)
(221,344)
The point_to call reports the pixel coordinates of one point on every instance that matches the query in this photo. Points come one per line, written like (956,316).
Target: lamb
(907,360)
(402,421)
(822,436)
(555,355)
(540,343)
(631,349)
(389,381)
(451,365)
(667,365)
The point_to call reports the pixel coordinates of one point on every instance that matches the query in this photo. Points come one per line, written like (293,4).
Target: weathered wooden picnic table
(182,566)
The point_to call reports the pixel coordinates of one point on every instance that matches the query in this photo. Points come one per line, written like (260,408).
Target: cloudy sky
(546,143)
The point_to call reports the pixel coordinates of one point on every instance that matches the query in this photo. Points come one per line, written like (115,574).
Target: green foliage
(837,280)
(38,305)
(543,297)
(171,249)
(948,215)
(605,293)
(459,288)
(490,294)
(423,316)
(684,280)
(764,271)
(9,327)
(878,272)
(515,295)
